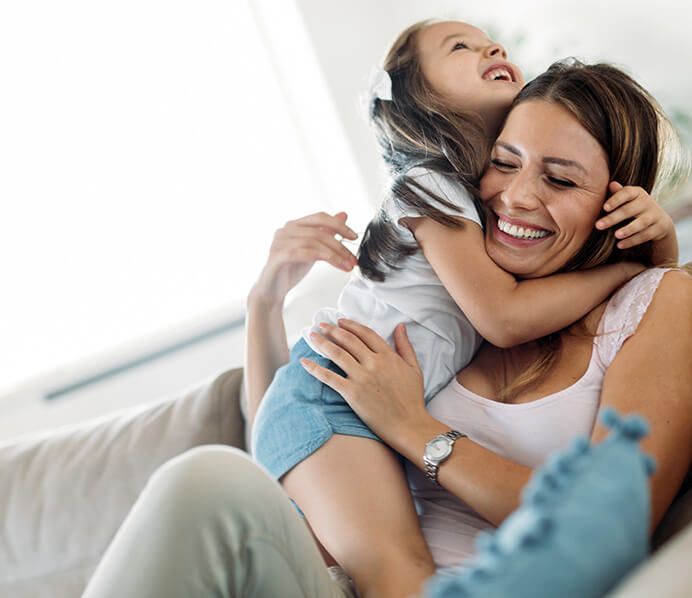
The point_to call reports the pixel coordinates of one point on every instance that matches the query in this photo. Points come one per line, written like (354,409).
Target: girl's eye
(499,164)
(561,182)
(459,46)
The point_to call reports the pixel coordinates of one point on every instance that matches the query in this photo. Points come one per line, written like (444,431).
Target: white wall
(347,39)
(651,40)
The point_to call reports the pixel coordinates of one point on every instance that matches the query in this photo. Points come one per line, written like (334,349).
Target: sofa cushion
(64,495)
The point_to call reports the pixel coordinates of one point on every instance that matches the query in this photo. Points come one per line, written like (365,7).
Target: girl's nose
(496,50)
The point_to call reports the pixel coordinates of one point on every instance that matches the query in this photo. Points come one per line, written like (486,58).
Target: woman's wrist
(410,440)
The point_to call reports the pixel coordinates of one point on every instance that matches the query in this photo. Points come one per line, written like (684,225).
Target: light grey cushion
(667,573)
(64,495)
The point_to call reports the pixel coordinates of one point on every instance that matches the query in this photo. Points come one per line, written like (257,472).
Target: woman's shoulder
(661,285)
(655,293)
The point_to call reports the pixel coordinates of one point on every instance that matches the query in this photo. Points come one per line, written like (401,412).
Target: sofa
(63,494)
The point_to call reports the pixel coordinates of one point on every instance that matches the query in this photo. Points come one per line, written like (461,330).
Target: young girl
(442,99)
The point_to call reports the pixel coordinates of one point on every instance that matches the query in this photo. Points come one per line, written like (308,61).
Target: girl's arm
(295,249)
(504,311)
(650,376)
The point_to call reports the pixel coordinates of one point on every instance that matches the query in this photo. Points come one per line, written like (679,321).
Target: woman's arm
(385,388)
(503,310)
(294,250)
(650,376)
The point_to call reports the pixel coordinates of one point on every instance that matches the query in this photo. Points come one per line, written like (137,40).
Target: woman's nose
(520,194)
(496,50)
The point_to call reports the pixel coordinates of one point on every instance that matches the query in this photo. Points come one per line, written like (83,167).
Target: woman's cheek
(490,185)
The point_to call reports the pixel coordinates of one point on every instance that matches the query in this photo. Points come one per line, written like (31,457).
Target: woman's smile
(543,191)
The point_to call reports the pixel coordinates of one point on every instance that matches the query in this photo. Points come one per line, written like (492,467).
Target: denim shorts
(298,414)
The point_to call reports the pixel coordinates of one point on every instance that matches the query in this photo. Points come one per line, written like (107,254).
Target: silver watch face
(438,449)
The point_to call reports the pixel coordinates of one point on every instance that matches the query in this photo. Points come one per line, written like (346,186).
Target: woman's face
(470,71)
(544,187)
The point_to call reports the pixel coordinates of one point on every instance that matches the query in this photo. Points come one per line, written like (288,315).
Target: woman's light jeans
(211,522)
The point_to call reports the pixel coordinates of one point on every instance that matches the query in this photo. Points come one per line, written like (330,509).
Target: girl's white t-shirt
(439,331)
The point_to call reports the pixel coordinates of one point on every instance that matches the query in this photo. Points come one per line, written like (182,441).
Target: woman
(198,528)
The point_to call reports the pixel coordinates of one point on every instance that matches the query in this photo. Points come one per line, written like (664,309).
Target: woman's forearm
(490,484)
(266,348)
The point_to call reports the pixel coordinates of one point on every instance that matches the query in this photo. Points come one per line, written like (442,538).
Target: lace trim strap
(624,311)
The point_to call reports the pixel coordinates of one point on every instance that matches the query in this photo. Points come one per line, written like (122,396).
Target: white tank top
(524,432)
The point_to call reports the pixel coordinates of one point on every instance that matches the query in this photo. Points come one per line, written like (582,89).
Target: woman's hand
(650,222)
(384,387)
(296,247)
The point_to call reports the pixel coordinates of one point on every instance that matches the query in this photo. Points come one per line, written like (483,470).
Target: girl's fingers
(628,210)
(347,341)
(339,356)
(620,197)
(635,240)
(373,340)
(636,226)
(326,376)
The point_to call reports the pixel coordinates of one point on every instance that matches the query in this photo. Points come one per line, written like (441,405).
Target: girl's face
(469,71)
(544,187)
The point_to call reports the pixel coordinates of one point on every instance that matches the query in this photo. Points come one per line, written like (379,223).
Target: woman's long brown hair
(628,123)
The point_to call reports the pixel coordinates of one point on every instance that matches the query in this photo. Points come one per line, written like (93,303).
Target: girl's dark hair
(417,129)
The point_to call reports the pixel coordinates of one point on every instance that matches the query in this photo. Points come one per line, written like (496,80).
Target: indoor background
(149,149)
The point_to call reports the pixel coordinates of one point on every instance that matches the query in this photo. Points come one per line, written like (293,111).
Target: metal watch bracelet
(431,469)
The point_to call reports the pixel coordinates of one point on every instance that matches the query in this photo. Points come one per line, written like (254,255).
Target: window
(147,154)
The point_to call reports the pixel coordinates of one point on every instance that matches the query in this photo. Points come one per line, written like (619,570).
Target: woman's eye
(459,46)
(501,165)
(561,182)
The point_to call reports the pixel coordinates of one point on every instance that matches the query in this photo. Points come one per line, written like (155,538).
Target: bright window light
(147,155)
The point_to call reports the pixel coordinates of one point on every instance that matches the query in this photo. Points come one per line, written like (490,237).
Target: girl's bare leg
(353,492)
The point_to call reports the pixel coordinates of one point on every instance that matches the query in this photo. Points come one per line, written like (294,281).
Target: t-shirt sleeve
(440,186)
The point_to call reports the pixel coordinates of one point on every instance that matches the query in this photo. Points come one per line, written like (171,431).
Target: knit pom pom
(634,427)
(538,532)
(485,541)
(580,446)
(649,464)
(610,418)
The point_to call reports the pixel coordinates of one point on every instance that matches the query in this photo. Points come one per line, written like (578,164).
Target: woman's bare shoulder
(670,310)
(674,290)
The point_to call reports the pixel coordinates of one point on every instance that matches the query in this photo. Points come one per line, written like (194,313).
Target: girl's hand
(384,387)
(296,247)
(650,221)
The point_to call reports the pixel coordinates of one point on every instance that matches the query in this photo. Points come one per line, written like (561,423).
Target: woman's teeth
(520,232)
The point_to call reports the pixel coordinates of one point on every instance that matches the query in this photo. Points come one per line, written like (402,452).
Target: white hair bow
(380,84)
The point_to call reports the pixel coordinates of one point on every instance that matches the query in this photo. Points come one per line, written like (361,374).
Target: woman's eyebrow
(508,147)
(547,160)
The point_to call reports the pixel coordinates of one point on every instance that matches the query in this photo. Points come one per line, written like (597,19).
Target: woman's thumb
(404,346)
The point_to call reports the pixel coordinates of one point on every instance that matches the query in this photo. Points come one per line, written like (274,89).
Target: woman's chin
(522,258)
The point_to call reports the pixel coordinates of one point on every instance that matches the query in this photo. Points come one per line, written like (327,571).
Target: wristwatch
(437,451)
